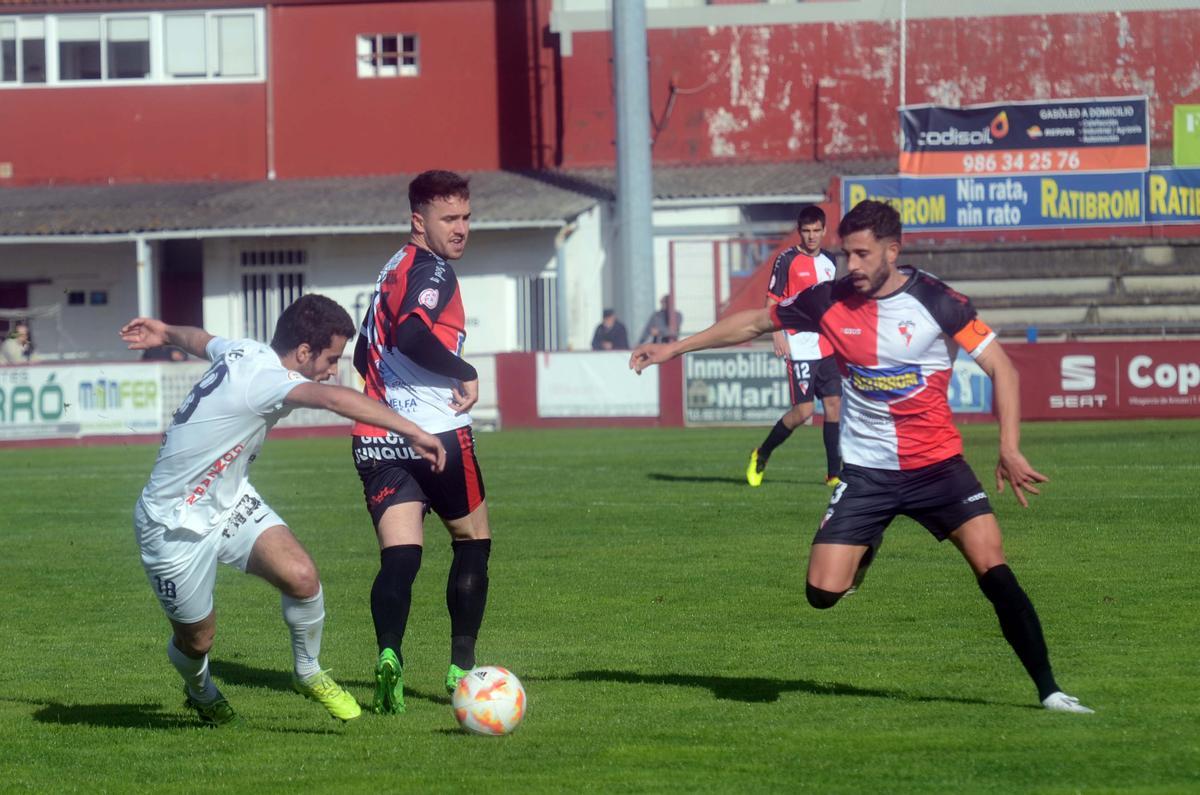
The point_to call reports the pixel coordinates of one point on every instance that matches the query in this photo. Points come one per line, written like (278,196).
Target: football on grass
(489,700)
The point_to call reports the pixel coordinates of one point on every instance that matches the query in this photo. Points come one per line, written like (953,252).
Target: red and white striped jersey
(415,281)
(793,272)
(895,354)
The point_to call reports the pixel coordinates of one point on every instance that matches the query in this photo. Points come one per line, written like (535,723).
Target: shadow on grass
(668,478)
(756,689)
(238,674)
(141,716)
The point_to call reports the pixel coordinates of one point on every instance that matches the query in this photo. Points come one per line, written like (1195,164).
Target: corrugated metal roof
(499,199)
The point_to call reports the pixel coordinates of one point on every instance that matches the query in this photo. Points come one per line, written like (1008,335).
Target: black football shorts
(941,497)
(393,473)
(813,378)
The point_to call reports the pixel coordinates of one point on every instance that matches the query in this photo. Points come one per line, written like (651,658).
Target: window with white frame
(387,55)
(271,280)
(149,47)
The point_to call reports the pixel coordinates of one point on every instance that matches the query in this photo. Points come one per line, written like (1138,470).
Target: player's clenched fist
(651,353)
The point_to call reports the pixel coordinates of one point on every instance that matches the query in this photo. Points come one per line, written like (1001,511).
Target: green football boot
(389,685)
(321,688)
(216,713)
(453,677)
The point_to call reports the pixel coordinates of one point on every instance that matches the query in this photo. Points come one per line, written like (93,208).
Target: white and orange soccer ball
(489,700)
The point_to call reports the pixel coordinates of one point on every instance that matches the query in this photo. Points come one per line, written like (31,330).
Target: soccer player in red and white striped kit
(895,331)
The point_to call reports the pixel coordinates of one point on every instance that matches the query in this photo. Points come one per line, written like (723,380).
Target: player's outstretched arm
(356,406)
(1006,397)
(148,332)
(738,327)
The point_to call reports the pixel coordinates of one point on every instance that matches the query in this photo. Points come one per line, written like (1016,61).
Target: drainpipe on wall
(270,93)
(560,283)
(146,298)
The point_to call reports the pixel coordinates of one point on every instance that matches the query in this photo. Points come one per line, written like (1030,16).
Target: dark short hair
(880,217)
(431,185)
(314,319)
(609,312)
(810,214)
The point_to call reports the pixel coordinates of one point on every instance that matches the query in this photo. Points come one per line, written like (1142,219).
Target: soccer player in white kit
(199,507)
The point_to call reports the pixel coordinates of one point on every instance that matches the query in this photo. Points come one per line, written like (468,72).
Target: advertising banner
(1013,202)
(593,384)
(1186,141)
(39,402)
(1073,135)
(1173,196)
(1108,380)
(749,387)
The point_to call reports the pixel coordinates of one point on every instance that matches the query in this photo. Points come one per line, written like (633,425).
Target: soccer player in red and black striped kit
(409,353)
(895,331)
(812,371)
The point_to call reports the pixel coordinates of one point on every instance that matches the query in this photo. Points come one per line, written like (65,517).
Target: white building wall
(697,288)
(56,269)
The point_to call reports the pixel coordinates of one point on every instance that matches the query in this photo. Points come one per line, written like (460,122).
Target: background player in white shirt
(895,332)
(199,508)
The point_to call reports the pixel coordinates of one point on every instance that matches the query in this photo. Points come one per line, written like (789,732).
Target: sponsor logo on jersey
(852,332)
(906,330)
(428,298)
(886,383)
(1078,373)
(214,471)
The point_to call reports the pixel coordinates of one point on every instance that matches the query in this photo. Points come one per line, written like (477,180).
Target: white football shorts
(181,565)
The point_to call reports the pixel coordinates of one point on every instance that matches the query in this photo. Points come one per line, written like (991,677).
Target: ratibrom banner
(749,387)
(1015,202)
(1043,136)
(1173,196)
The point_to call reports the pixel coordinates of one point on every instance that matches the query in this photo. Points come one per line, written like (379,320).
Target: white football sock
(194,672)
(305,619)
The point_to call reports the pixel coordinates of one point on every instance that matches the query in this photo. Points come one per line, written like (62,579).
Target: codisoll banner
(750,387)
(1013,202)
(1069,135)
(46,401)
(1108,380)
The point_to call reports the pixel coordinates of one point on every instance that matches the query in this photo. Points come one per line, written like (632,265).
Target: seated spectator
(610,334)
(663,325)
(18,347)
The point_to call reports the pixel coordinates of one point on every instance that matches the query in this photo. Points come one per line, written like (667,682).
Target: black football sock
(466,597)
(776,437)
(833,458)
(391,595)
(1020,625)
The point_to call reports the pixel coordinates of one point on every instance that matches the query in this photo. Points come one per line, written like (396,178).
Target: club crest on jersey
(906,330)
(887,384)
(428,298)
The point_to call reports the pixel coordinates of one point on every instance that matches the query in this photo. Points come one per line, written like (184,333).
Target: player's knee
(820,598)
(301,580)
(195,644)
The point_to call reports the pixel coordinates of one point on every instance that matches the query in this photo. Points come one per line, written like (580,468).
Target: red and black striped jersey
(415,281)
(793,272)
(896,356)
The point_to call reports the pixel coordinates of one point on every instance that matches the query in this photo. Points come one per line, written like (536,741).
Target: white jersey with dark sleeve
(896,356)
(413,282)
(216,433)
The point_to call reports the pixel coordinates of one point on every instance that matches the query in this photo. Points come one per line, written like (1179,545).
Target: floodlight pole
(634,269)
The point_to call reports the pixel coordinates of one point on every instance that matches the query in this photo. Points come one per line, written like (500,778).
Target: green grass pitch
(653,605)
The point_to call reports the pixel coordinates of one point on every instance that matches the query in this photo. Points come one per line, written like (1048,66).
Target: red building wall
(828,91)
(328,121)
(134,134)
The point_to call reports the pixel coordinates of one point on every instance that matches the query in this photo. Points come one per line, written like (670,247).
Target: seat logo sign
(1078,373)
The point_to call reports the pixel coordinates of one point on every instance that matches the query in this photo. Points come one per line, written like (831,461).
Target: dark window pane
(33,58)
(79,60)
(128,59)
(8,60)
